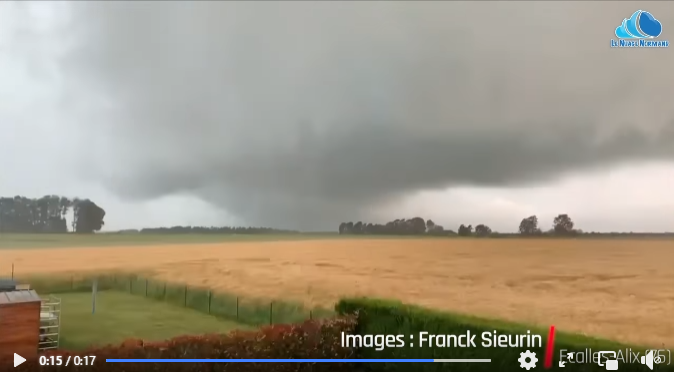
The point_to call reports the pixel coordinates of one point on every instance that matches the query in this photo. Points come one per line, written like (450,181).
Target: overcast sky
(305,114)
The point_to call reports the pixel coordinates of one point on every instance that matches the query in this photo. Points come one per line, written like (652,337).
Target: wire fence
(245,310)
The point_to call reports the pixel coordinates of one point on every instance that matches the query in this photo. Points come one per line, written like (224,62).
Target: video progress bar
(298,360)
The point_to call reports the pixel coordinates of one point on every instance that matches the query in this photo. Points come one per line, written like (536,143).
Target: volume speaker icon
(648,359)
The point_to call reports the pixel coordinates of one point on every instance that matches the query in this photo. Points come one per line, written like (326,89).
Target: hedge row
(252,311)
(317,339)
(383,317)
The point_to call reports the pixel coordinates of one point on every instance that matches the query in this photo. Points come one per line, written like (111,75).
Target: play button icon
(18,359)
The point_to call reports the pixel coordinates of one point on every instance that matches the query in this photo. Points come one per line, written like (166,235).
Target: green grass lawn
(10,241)
(27,241)
(120,316)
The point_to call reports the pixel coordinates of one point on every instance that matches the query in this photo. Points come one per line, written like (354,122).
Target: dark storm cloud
(305,114)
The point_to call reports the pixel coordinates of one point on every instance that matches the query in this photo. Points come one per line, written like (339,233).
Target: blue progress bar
(298,360)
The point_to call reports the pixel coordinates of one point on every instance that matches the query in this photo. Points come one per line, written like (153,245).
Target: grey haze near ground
(302,115)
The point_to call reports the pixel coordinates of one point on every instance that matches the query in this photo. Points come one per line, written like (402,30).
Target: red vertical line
(550,348)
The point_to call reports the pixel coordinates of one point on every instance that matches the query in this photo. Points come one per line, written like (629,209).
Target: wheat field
(618,289)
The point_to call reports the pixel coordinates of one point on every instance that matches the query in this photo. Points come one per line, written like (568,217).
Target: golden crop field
(618,289)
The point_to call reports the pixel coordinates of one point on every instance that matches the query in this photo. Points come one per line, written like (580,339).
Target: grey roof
(7,284)
(15,297)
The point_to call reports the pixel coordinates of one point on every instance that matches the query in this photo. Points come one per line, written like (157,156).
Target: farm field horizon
(619,289)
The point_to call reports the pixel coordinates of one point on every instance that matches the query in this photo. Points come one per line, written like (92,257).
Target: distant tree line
(562,225)
(47,214)
(208,230)
(402,226)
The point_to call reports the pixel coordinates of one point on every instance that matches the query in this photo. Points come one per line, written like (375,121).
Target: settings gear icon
(523,360)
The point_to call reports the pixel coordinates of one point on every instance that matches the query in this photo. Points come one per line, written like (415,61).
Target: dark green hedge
(386,317)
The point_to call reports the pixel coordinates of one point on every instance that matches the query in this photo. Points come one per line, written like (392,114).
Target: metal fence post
(271,311)
(94,289)
(185,304)
(237,307)
(209,301)
(145,287)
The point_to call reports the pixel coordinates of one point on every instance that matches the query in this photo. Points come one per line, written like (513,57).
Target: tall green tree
(563,225)
(465,230)
(482,230)
(88,217)
(529,226)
